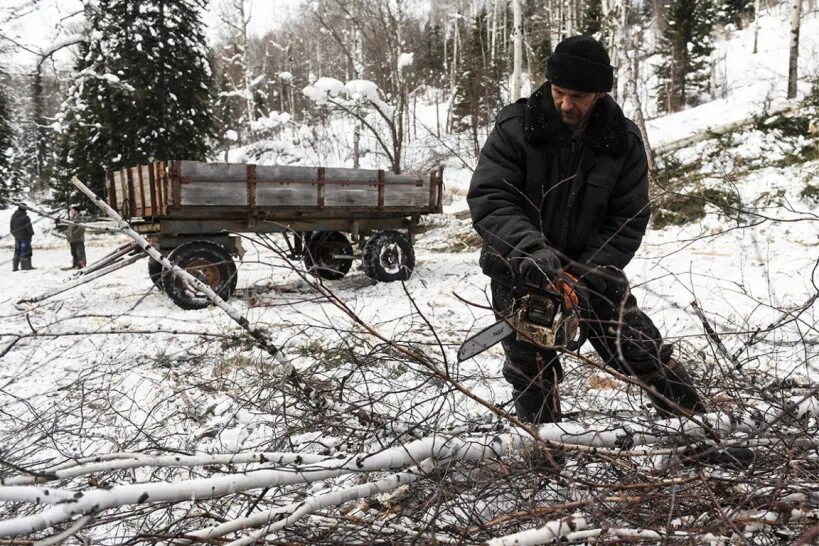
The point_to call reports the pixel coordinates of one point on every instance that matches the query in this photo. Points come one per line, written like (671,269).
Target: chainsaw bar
(484,339)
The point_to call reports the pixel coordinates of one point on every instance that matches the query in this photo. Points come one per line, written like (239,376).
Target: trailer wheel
(329,255)
(388,257)
(155,272)
(208,262)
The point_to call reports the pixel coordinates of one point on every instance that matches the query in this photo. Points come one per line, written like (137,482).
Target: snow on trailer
(194,213)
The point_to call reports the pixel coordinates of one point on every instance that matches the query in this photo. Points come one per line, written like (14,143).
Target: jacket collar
(606,133)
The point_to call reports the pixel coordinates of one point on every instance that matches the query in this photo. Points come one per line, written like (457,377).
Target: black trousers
(78,253)
(624,337)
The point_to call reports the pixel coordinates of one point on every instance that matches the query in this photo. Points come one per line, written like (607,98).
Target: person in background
(22,232)
(75,234)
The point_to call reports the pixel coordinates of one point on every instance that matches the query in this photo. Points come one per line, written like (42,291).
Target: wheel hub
(392,258)
(205,271)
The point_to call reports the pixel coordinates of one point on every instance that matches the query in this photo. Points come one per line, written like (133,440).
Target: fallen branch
(551,532)
(261,339)
(570,436)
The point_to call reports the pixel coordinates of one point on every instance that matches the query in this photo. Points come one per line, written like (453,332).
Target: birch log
(602,438)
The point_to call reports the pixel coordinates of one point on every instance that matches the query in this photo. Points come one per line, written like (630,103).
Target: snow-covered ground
(114,366)
(744,277)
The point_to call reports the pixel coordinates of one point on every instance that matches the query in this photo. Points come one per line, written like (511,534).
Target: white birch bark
(793,61)
(756,26)
(630,84)
(517,58)
(580,437)
(551,532)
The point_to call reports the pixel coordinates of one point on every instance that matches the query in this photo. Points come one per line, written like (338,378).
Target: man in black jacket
(562,187)
(22,232)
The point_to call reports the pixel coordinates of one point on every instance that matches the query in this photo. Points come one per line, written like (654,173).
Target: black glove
(539,267)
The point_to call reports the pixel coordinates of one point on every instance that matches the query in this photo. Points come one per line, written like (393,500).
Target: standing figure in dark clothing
(562,187)
(75,234)
(22,232)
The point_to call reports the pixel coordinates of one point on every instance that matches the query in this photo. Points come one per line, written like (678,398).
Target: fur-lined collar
(607,131)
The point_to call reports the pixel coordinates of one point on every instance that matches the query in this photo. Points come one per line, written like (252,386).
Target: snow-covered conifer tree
(141,91)
(477,98)
(685,45)
(8,182)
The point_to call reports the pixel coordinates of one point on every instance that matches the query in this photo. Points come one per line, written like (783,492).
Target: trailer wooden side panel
(193,189)
(287,186)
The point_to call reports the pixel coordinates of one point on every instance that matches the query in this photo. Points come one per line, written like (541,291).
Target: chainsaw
(548,316)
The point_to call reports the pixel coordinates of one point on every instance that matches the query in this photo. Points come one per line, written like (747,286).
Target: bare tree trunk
(493,48)
(756,25)
(796,15)
(630,83)
(437,114)
(358,51)
(517,58)
(244,19)
(453,74)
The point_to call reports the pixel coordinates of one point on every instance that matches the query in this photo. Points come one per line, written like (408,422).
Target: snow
(331,86)
(273,120)
(755,83)
(362,90)
(405,60)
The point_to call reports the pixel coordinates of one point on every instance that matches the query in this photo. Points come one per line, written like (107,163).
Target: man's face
(74,213)
(575,107)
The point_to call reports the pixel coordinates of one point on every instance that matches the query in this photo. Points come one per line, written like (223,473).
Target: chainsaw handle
(582,336)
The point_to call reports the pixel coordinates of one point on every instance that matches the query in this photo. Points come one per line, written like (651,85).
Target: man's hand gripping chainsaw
(549,316)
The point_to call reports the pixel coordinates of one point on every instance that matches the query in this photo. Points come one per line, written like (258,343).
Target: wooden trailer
(193,211)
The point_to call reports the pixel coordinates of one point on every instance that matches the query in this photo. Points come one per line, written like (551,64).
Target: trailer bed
(192,190)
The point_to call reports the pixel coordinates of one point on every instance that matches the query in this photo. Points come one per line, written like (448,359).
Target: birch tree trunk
(358,51)
(453,80)
(517,58)
(756,25)
(493,47)
(630,83)
(796,15)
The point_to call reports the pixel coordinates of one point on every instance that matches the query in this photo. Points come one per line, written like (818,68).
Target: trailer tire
(388,257)
(155,272)
(207,261)
(320,255)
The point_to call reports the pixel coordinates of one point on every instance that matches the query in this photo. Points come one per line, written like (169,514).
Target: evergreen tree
(8,179)
(142,91)
(429,63)
(540,54)
(478,96)
(686,46)
(592,19)
(736,12)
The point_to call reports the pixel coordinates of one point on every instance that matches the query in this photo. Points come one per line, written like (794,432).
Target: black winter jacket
(517,200)
(20,226)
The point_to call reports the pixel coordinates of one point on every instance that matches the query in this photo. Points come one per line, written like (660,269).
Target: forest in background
(146,84)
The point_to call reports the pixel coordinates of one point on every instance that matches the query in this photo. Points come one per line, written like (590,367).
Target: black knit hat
(580,63)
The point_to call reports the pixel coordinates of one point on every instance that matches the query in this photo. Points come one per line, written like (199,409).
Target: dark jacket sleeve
(497,195)
(627,214)
(29,230)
